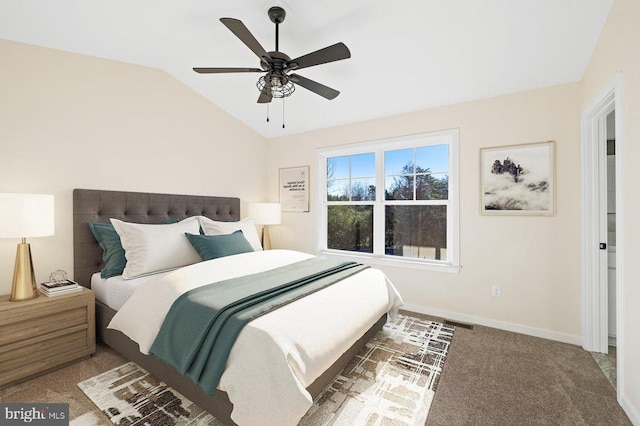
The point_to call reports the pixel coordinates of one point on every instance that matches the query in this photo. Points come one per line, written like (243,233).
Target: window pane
(398,188)
(435,158)
(338,190)
(338,167)
(363,165)
(398,162)
(401,194)
(363,189)
(432,187)
(350,228)
(416,231)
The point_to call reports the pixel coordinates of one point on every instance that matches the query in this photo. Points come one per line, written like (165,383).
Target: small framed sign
(294,189)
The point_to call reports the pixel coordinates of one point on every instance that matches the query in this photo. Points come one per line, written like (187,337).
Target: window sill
(398,263)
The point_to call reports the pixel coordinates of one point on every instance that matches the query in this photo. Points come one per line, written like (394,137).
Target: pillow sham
(215,246)
(155,248)
(248,228)
(112,252)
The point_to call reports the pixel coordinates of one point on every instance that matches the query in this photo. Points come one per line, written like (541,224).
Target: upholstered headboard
(90,205)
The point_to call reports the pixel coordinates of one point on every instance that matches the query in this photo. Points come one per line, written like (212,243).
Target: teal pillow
(214,246)
(112,251)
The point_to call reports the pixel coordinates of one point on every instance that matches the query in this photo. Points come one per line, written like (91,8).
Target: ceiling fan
(279,81)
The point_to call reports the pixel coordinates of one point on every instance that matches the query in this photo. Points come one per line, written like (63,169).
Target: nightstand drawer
(45,325)
(16,357)
(39,367)
(44,333)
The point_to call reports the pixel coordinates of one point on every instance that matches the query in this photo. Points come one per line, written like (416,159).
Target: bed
(91,206)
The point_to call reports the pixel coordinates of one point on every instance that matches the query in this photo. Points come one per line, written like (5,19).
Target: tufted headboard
(90,205)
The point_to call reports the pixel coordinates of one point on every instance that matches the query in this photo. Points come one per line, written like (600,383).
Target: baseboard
(629,410)
(502,325)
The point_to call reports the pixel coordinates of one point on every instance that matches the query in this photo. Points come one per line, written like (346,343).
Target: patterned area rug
(391,381)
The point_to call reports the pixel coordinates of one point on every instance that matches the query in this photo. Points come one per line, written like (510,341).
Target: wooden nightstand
(45,333)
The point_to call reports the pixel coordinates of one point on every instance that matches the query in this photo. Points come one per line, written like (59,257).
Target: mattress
(286,349)
(115,291)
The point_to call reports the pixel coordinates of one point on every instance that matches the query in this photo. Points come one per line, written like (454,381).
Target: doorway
(610,152)
(608,361)
(601,227)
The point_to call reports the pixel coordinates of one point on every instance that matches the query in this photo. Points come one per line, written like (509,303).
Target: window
(394,200)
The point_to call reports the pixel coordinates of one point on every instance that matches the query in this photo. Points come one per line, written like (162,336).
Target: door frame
(593,280)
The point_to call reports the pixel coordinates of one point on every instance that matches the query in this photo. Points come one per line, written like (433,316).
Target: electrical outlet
(496,291)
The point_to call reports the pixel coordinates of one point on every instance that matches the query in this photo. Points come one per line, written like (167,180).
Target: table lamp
(265,214)
(23,216)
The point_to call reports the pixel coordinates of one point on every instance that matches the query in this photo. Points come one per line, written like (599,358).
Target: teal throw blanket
(202,325)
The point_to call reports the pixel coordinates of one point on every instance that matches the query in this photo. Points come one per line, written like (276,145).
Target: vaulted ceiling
(405,56)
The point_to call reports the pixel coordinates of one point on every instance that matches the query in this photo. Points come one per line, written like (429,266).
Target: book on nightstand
(57,288)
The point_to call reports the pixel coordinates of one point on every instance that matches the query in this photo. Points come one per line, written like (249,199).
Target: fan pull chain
(283,113)
(267,113)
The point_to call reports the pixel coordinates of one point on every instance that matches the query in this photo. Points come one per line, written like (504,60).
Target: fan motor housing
(279,61)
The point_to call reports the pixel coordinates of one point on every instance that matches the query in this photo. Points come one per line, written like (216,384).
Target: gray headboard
(90,205)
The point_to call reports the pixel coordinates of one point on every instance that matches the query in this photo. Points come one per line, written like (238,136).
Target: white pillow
(248,228)
(155,248)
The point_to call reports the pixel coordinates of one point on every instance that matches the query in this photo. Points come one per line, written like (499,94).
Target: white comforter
(278,355)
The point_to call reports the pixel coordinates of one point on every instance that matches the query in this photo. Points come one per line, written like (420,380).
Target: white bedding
(286,349)
(114,291)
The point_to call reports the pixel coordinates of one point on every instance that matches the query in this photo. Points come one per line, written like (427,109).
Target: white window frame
(449,137)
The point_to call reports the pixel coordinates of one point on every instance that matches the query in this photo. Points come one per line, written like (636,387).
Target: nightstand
(45,333)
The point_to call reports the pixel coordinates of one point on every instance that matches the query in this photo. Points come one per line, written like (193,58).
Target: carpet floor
(495,377)
(491,377)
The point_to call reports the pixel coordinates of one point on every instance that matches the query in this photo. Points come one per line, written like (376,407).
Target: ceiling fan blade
(331,53)
(242,32)
(314,86)
(225,70)
(265,96)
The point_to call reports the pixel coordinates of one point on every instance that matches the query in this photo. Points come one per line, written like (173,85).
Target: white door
(594,262)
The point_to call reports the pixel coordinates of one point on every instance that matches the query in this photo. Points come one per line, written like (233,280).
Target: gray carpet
(494,377)
(491,377)
(62,385)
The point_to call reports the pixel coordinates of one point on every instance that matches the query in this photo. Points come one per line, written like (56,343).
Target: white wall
(73,121)
(534,259)
(618,51)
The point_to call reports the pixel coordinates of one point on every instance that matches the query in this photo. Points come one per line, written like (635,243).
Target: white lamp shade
(265,213)
(26,215)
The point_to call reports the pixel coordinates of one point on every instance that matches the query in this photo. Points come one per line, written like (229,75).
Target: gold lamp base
(266,240)
(24,280)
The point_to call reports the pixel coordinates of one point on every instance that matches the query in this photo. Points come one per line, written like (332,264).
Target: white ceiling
(405,56)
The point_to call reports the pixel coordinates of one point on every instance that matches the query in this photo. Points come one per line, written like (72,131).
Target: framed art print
(518,179)
(294,189)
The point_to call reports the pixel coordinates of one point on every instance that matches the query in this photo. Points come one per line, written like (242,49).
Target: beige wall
(73,121)
(534,259)
(618,51)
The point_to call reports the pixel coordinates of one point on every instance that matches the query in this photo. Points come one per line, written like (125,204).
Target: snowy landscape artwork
(518,179)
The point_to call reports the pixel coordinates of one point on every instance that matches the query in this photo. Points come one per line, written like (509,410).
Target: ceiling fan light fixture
(278,86)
